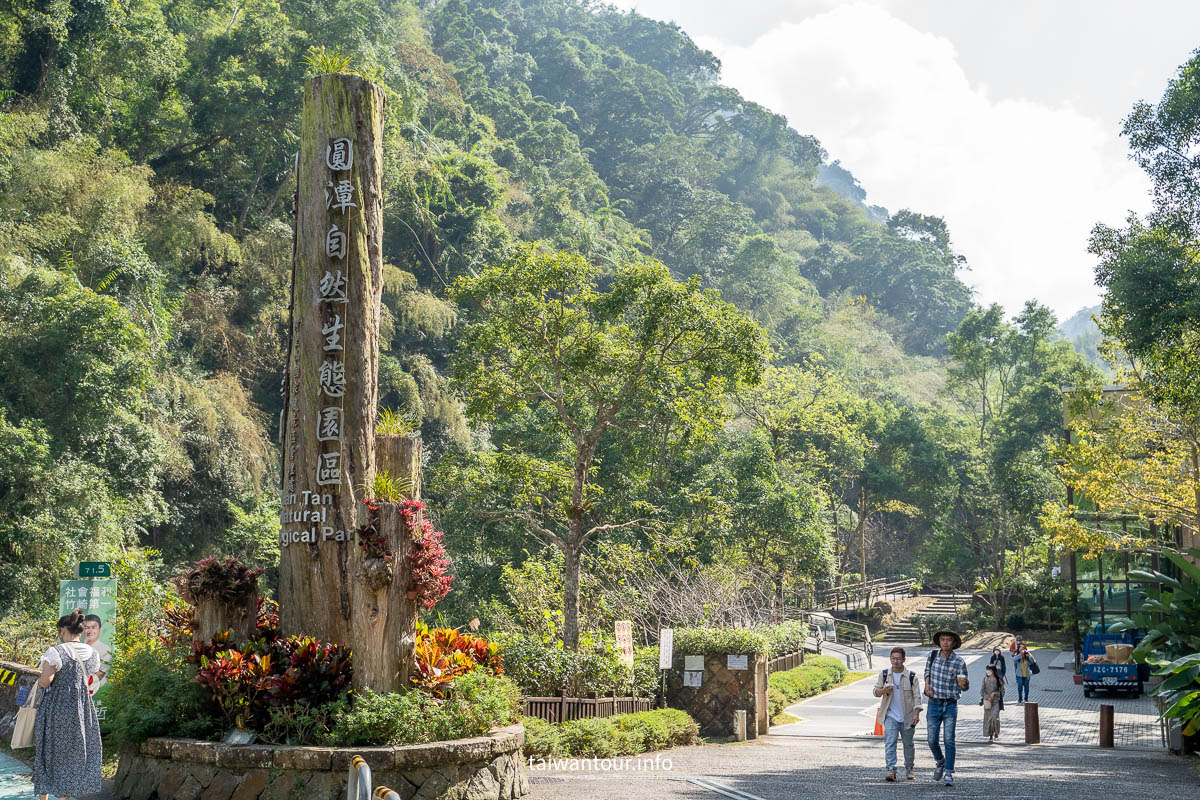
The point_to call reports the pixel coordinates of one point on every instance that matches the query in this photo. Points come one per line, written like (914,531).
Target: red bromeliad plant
(430,565)
(227,579)
(443,654)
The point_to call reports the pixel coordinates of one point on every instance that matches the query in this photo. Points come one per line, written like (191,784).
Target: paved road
(16,779)
(1066,716)
(788,767)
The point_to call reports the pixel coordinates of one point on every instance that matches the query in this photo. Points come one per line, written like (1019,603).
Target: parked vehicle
(1102,675)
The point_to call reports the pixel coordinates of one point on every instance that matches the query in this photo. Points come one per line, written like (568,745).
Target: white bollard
(739,725)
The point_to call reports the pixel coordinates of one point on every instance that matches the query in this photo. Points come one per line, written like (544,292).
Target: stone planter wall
(483,768)
(722,691)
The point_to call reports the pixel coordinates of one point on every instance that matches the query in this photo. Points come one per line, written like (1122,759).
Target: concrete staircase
(905,630)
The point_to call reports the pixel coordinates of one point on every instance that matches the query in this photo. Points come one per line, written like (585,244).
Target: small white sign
(666,648)
(691,663)
(736,662)
(692,678)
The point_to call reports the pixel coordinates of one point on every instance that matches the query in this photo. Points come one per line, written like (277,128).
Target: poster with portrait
(98,599)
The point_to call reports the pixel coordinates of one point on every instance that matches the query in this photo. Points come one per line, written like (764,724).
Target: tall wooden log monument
(329,586)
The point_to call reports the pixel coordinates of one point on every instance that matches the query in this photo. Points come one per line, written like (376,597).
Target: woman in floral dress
(66,732)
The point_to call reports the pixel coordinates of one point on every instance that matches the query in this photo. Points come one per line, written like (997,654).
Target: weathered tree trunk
(385,614)
(331,392)
(213,615)
(400,456)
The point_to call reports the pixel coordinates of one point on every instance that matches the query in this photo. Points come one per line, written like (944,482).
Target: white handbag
(26,715)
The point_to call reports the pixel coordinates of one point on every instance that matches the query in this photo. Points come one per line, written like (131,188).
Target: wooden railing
(563,709)
(855,593)
(786,661)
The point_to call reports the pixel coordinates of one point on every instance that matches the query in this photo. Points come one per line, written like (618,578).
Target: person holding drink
(945,681)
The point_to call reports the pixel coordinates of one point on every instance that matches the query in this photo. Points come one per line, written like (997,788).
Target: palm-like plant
(1170,616)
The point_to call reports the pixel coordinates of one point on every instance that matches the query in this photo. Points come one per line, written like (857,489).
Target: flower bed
(481,767)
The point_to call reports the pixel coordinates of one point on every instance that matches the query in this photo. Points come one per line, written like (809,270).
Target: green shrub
(769,640)
(1015,621)
(718,641)
(541,669)
(152,693)
(590,737)
(301,724)
(786,637)
(621,735)
(473,704)
(542,739)
(24,636)
(777,701)
(815,675)
(391,718)
(480,701)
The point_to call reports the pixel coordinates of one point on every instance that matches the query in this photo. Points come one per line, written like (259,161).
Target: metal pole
(359,785)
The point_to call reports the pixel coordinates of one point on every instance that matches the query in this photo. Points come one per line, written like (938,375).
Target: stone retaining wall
(12,678)
(722,691)
(483,768)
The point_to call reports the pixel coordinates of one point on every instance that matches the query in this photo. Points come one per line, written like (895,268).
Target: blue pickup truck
(1109,677)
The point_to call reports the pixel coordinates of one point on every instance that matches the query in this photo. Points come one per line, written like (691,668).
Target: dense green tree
(543,335)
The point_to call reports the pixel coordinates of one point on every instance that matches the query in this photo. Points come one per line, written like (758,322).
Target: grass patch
(816,675)
(851,677)
(784,718)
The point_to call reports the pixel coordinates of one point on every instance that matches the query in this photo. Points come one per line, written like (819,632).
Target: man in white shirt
(91,636)
(900,709)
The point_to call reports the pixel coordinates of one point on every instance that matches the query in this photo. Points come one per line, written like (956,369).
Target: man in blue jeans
(945,680)
(1024,663)
(900,708)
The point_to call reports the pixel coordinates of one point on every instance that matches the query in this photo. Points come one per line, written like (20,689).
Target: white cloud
(1020,182)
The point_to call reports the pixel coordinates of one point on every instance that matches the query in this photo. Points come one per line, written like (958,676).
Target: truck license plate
(1110,681)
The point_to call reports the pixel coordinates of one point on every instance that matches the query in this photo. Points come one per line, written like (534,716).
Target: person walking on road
(1024,667)
(1000,663)
(945,681)
(900,710)
(991,696)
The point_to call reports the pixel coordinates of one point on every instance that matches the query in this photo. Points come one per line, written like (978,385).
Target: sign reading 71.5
(95,569)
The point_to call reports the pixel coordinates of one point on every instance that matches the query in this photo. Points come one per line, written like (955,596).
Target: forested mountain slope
(145,155)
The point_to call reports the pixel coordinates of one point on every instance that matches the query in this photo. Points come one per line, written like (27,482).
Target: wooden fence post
(1033,730)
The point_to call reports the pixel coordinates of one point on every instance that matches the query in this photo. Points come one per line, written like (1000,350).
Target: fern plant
(321,60)
(388,488)
(394,423)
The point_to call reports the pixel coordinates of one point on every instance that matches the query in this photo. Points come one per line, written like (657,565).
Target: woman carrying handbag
(66,734)
(26,715)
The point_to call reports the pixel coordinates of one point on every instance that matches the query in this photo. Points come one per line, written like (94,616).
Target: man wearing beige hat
(945,680)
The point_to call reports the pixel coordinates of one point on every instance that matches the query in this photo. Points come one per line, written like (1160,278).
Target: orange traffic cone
(878,725)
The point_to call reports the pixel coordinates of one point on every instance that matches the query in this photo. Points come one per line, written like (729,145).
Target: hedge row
(541,669)
(620,735)
(768,640)
(814,676)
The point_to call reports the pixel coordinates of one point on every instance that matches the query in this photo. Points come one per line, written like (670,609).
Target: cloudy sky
(1004,118)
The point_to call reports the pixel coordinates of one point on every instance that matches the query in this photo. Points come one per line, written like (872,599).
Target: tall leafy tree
(596,357)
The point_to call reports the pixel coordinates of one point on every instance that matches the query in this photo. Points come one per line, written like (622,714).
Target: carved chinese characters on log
(330,394)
